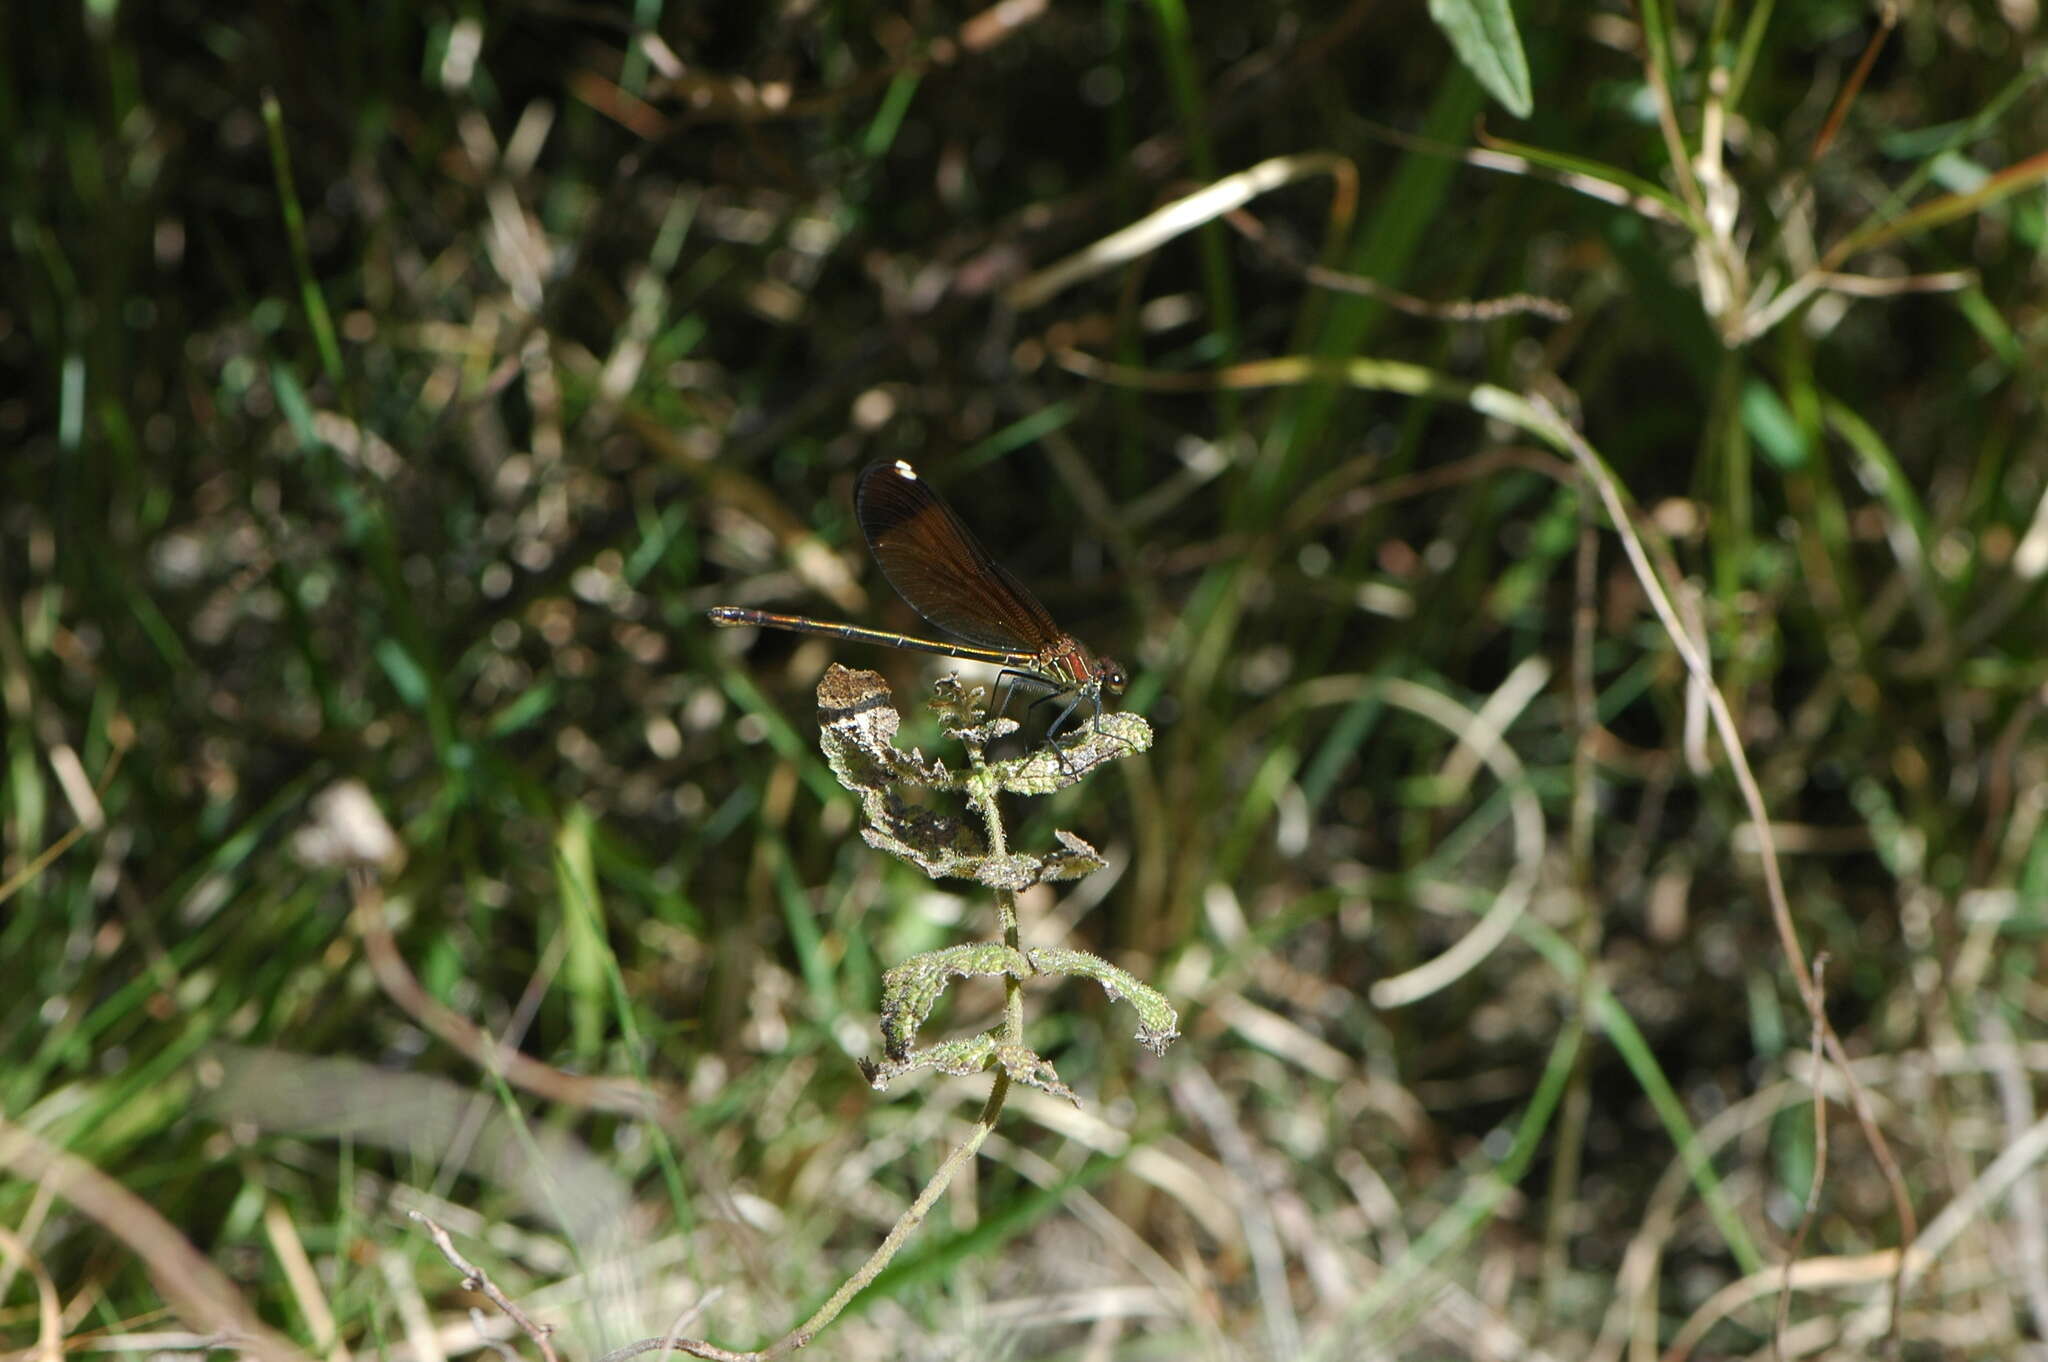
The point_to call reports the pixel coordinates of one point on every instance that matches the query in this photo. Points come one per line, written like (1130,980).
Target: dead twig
(475,1278)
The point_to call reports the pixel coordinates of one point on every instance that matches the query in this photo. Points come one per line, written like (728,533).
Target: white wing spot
(906,471)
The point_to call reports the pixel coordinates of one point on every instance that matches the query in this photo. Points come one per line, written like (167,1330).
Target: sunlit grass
(389,395)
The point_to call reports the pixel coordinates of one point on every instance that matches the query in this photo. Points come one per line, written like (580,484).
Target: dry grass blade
(49,1345)
(1184,215)
(377,441)
(200,1293)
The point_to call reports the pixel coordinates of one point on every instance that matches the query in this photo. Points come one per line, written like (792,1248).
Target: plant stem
(981,794)
(904,1226)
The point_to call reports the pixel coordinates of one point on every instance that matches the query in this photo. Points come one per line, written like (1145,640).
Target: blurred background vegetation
(374,451)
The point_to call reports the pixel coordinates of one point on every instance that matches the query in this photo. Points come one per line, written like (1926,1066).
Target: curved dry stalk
(1539,418)
(49,1309)
(1752,796)
(394,976)
(1479,733)
(1184,215)
(200,1292)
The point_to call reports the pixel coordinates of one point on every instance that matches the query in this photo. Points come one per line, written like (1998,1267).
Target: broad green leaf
(1482,33)
(1771,424)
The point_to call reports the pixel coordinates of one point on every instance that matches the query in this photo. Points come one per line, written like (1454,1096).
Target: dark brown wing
(935,562)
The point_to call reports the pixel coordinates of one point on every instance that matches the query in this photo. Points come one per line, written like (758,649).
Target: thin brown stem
(475,1278)
(521,1070)
(1887,19)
